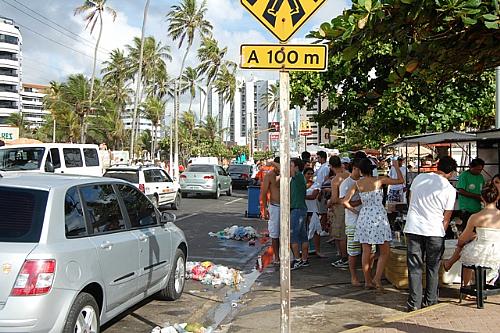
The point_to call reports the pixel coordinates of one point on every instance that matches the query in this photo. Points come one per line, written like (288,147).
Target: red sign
(305,132)
(274,137)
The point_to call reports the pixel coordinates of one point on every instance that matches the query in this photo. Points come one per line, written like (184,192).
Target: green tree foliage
(404,67)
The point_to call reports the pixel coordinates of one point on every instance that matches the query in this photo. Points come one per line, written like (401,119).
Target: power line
(60,26)
(56,42)
(102,50)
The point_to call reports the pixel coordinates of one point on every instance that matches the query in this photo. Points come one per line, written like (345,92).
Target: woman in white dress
(481,248)
(372,225)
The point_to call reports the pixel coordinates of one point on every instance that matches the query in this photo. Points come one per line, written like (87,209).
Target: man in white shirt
(432,200)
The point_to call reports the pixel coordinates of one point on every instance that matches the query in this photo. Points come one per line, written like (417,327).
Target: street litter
(183,328)
(208,273)
(236,232)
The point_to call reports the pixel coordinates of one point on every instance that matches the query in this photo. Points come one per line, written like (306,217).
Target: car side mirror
(167,217)
(49,167)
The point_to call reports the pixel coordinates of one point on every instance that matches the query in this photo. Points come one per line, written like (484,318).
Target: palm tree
(225,86)
(211,57)
(154,60)
(17,120)
(115,79)
(190,81)
(272,99)
(93,10)
(147,62)
(75,94)
(154,110)
(185,22)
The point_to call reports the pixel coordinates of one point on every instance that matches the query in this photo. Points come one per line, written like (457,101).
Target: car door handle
(143,238)
(106,245)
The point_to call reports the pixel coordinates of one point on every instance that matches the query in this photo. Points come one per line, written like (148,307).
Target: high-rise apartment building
(32,104)
(247,117)
(10,68)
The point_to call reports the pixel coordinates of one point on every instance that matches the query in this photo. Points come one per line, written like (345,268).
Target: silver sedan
(77,251)
(205,179)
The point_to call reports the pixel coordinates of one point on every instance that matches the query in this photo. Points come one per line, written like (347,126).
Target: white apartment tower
(10,68)
(32,104)
(247,116)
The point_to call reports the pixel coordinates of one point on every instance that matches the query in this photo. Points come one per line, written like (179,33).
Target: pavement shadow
(410,328)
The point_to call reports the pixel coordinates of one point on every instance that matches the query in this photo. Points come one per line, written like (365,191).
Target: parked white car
(152,181)
(78,251)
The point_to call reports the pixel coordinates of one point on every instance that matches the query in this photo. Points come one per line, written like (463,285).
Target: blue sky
(45,59)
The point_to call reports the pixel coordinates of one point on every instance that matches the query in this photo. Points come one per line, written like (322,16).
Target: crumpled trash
(183,328)
(236,232)
(210,274)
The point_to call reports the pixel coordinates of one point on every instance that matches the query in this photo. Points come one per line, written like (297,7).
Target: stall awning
(433,138)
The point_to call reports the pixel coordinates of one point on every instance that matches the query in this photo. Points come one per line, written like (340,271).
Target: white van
(69,158)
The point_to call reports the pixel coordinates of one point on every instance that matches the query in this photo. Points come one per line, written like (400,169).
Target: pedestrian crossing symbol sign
(282,17)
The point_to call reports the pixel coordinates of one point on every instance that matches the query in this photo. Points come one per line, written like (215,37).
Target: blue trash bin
(253,209)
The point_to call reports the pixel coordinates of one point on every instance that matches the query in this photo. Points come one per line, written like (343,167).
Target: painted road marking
(186,217)
(235,200)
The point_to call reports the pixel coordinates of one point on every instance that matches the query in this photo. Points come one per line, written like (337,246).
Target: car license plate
(191,187)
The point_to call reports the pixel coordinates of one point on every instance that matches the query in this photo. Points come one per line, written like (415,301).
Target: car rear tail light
(183,176)
(244,175)
(141,188)
(35,278)
(209,177)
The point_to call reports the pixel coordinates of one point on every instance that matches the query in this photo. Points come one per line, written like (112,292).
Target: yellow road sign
(282,18)
(299,57)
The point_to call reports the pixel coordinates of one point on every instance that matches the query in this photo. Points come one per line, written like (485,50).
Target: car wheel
(230,190)
(217,193)
(176,205)
(175,285)
(83,315)
(156,201)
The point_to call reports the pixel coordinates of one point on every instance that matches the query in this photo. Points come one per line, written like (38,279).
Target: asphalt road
(197,217)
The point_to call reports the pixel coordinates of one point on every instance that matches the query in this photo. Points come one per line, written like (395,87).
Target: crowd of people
(345,198)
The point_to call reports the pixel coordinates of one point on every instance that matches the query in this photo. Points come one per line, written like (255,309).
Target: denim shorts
(298,228)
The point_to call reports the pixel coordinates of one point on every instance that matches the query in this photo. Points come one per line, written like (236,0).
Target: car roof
(132,167)
(47,181)
(51,145)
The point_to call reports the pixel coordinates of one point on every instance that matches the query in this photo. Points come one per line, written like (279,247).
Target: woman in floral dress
(372,226)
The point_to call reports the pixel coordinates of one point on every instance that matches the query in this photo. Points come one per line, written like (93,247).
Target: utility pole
(139,79)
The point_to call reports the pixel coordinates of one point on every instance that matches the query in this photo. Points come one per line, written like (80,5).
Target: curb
(397,318)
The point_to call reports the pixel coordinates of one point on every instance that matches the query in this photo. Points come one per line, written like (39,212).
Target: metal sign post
(285,200)
(283,19)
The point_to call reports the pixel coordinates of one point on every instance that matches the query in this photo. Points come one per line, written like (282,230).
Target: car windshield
(128,175)
(200,168)
(239,168)
(22,214)
(25,158)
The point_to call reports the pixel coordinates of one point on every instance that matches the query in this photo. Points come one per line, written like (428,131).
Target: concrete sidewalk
(323,300)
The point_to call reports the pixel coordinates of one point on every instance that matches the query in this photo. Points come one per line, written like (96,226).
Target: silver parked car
(205,178)
(77,251)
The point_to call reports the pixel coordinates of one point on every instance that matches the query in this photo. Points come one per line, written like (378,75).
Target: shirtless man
(271,185)
(338,216)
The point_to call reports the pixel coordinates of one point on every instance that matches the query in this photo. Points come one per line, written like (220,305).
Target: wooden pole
(285,200)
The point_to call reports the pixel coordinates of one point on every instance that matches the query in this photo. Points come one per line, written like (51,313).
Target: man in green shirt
(469,187)
(298,214)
